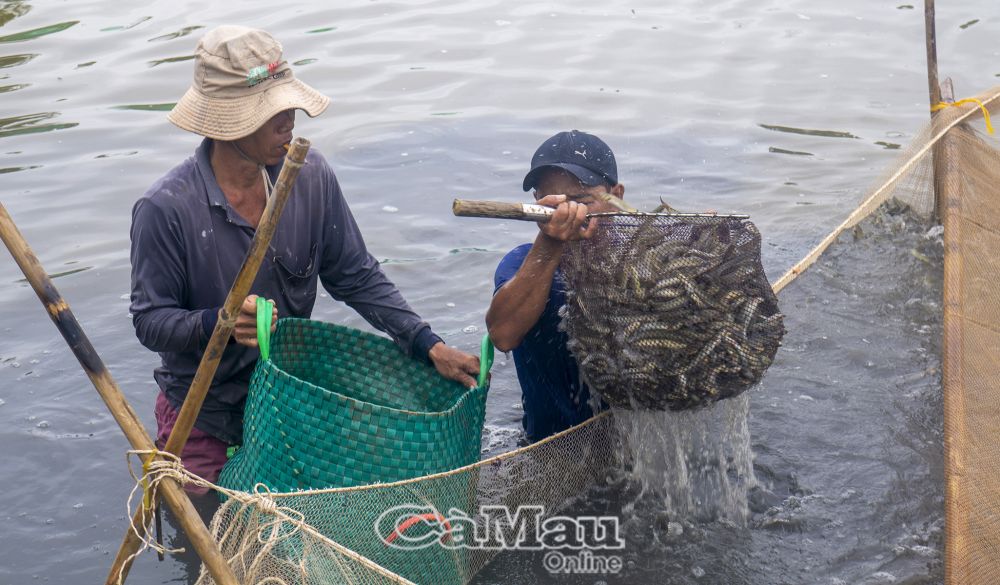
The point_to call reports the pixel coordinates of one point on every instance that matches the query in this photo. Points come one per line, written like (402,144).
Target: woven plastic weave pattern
(338,407)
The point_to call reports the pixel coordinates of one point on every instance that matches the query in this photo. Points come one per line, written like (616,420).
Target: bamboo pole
(934,94)
(933,87)
(220,338)
(948,208)
(64,320)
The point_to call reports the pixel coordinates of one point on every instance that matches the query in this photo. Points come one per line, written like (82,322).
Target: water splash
(692,465)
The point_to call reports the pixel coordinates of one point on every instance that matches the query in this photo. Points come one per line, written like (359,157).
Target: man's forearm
(517,306)
(171,329)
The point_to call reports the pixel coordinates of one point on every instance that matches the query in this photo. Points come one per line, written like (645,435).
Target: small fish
(664,207)
(617,203)
(669,313)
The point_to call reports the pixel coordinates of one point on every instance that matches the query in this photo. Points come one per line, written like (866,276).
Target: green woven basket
(338,407)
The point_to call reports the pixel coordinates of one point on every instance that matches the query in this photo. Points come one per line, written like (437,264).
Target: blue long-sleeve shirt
(188,245)
(552,393)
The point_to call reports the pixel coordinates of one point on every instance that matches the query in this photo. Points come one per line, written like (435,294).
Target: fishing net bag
(670,311)
(332,406)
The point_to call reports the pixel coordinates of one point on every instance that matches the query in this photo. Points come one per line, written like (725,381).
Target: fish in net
(670,311)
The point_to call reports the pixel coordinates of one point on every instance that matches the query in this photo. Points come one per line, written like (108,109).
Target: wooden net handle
(501,210)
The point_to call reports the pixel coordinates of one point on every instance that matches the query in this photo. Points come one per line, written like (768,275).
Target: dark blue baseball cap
(584,155)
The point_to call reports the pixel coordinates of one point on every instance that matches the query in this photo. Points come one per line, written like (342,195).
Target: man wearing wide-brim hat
(192,229)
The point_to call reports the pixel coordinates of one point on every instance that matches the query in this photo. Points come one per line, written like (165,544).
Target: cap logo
(262,73)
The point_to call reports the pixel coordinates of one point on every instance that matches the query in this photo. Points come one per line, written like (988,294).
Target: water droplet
(77,505)
(390,208)
(34,361)
(450,305)
(698,572)
(50,521)
(470,329)
(43,425)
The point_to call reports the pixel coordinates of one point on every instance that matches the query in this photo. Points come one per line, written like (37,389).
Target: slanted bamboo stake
(127,419)
(220,338)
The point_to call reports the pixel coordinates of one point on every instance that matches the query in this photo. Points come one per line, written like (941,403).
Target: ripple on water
(177,34)
(32,124)
(165,107)
(132,25)
(167,60)
(15,60)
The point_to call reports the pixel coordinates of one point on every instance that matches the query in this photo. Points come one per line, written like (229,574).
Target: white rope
(167,466)
(861,210)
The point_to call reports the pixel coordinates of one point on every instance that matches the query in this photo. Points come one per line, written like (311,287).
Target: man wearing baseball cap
(193,227)
(575,173)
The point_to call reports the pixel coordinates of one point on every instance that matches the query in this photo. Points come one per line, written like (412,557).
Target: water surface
(784,110)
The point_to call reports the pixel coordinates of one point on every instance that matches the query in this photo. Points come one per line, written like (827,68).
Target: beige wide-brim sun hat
(241,82)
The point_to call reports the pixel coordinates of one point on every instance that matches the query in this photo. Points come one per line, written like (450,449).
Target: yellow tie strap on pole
(154,471)
(147,501)
(986,113)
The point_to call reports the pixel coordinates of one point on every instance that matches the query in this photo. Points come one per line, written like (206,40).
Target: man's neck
(232,171)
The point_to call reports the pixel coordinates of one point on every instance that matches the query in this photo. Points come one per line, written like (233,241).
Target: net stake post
(294,161)
(946,93)
(934,93)
(64,320)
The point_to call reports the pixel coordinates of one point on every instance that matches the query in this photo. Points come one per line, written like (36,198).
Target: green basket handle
(485,359)
(264,310)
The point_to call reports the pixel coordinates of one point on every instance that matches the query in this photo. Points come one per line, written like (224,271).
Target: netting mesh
(971,359)
(952,157)
(339,535)
(670,311)
(335,536)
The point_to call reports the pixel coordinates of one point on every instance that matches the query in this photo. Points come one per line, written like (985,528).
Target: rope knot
(986,113)
(266,505)
(263,500)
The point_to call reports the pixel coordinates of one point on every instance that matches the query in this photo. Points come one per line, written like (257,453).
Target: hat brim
(586,176)
(235,118)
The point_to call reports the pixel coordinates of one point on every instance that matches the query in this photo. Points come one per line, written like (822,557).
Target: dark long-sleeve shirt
(188,245)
